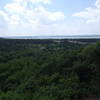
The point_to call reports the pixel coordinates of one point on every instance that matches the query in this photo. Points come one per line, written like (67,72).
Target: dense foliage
(48,70)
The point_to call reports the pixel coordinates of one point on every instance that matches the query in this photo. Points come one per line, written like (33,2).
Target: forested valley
(49,69)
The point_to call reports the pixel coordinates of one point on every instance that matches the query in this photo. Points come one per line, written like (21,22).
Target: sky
(49,17)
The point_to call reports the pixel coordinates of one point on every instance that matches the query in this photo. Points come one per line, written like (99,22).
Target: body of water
(55,37)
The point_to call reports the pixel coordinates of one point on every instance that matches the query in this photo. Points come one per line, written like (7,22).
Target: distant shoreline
(54,37)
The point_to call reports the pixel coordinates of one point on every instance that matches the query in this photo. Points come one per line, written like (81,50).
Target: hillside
(49,69)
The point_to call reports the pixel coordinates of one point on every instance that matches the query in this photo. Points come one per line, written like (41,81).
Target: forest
(49,69)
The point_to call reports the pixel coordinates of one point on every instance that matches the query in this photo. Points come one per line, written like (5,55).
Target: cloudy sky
(49,17)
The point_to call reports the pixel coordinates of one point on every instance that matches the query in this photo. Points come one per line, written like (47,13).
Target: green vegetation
(48,70)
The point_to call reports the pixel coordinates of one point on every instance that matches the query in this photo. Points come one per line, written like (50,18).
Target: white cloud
(89,19)
(37,15)
(48,17)
(20,19)
(4,15)
(97,4)
(43,1)
(15,19)
(91,14)
(33,1)
(14,8)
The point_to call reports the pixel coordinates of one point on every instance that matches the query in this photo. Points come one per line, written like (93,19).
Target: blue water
(55,37)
